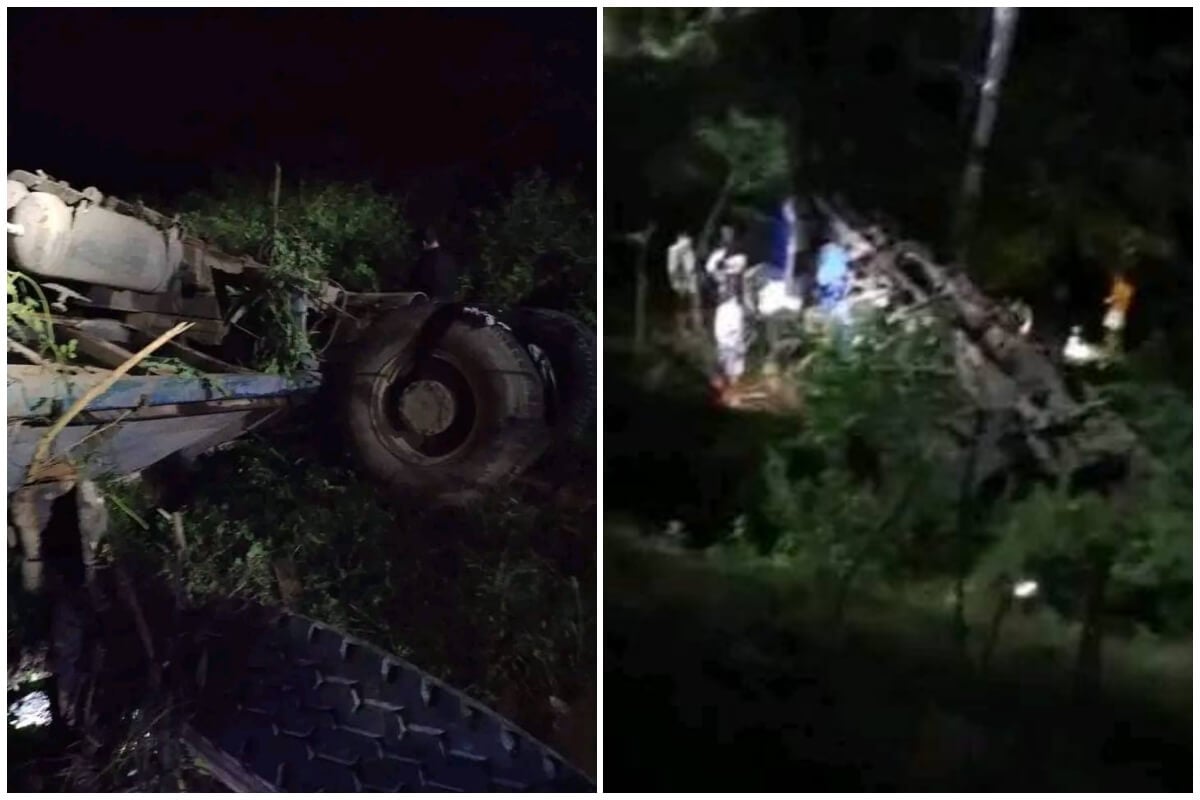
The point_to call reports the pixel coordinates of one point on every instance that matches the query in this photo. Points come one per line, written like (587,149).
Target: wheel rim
(426,414)
(427,407)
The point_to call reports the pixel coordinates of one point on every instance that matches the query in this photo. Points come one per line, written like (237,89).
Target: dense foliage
(537,246)
(874,488)
(349,233)
(346,233)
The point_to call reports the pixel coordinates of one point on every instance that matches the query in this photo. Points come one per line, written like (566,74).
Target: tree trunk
(641,288)
(1004,26)
(1091,638)
(966,496)
(976,24)
(1003,606)
(275,213)
(703,242)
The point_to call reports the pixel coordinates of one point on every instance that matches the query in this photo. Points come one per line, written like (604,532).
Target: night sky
(446,106)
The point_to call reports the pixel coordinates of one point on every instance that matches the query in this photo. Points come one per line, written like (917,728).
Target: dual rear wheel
(448,402)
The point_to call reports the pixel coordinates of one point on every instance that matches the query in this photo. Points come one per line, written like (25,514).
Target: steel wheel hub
(427,406)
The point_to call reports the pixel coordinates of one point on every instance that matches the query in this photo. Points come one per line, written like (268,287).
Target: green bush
(870,475)
(1145,533)
(346,233)
(337,231)
(540,240)
(870,489)
(29,320)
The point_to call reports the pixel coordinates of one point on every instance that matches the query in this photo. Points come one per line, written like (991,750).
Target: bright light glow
(32,710)
(1077,351)
(773,299)
(1025,588)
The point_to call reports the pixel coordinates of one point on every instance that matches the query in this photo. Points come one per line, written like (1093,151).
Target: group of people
(716,290)
(1116,303)
(805,262)
(808,264)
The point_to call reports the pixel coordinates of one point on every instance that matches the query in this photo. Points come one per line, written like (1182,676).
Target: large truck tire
(311,709)
(272,701)
(568,348)
(466,412)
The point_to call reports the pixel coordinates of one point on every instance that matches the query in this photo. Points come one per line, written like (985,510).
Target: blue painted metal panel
(36,393)
(120,449)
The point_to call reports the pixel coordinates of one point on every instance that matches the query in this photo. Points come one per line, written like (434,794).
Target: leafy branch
(30,321)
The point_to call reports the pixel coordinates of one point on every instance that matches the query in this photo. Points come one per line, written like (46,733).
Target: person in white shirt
(714,266)
(685,283)
(729,330)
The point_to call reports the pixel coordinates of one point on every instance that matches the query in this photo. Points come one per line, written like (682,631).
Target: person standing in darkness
(685,284)
(436,273)
(1120,297)
(729,332)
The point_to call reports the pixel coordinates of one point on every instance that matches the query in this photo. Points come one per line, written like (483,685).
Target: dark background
(444,106)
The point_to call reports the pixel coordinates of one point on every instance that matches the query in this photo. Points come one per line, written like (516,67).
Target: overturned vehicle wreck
(436,400)
(1027,410)
(433,398)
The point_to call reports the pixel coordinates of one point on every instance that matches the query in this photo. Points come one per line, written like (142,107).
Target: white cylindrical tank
(91,244)
(17,192)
